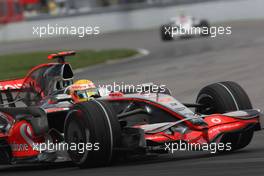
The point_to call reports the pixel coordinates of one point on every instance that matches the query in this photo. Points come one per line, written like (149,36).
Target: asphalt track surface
(185,66)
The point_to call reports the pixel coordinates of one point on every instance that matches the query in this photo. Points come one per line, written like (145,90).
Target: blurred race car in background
(184,27)
(116,124)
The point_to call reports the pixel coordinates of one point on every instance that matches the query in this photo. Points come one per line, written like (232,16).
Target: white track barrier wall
(142,19)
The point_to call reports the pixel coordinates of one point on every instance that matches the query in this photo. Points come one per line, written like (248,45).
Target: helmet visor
(85,95)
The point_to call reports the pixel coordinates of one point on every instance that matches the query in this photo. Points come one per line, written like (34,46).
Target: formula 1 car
(184,27)
(96,132)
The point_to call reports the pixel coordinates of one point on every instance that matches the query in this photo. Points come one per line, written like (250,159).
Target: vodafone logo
(216,120)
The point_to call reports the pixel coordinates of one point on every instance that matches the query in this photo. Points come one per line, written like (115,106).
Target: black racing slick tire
(93,124)
(165,36)
(5,153)
(224,97)
(204,24)
(167,91)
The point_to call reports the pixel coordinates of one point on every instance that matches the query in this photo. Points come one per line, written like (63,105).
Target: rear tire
(164,35)
(205,24)
(96,123)
(224,97)
(167,91)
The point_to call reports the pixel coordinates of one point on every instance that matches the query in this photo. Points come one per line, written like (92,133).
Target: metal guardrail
(130,5)
(109,20)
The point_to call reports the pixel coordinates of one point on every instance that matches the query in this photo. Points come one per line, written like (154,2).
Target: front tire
(92,123)
(224,97)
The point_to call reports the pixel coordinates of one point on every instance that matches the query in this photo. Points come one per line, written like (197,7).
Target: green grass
(17,65)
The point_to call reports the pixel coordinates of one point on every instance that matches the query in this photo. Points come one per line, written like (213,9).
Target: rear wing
(61,56)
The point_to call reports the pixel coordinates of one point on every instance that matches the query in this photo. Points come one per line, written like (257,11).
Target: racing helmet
(83,90)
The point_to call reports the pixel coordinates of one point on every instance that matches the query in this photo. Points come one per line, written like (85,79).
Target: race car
(53,127)
(184,27)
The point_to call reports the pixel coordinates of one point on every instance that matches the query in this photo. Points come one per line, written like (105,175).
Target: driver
(83,90)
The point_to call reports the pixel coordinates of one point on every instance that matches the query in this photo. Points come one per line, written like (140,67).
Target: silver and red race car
(184,26)
(52,128)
